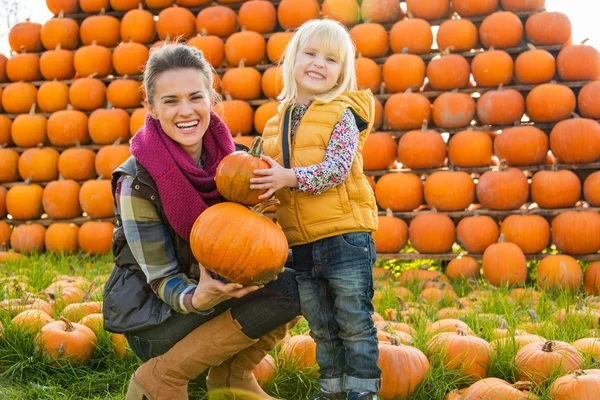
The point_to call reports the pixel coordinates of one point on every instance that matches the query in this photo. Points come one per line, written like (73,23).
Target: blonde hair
(331,37)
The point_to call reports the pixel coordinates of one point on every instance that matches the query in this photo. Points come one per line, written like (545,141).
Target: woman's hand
(211,292)
(273,179)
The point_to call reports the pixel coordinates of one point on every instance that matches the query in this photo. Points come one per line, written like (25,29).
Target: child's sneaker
(328,396)
(362,396)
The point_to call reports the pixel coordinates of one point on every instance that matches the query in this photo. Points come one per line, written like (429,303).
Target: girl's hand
(211,292)
(273,179)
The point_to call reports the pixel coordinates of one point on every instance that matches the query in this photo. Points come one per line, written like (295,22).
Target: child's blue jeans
(335,282)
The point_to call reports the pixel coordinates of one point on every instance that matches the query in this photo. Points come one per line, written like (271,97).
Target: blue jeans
(335,281)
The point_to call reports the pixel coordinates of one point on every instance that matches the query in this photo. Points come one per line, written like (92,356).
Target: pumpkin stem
(140,6)
(256,149)
(531,47)
(424,125)
(503,324)
(548,346)
(260,207)
(459,305)
(382,90)
(501,238)
(394,341)
(69,325)
(58,47)
(533,315)
(404,50)
(447,50)
(88,294)
(242,63)
(389,212)
(522,385)
(402,303)
(32,109)
(460,331)
(584,41)
(575,115)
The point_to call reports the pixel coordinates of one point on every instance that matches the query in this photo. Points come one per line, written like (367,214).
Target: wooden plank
(94,147)
(451,256)
(48,221)
(528,209)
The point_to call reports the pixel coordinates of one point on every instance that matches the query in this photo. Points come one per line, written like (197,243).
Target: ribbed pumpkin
(217,20)
(258,16)
(591,279)
(368,74)
(101,65)
(258,253)
(28,238)
(57,64)
(470,148)
(474,8)
(77,163)
(276,45)
(66,341)
(68,127)
(576,140)
(235,171)
(430,10)
(124,93)
(421,149)
(242,83)
(560,272)
(581,384)
(555,189)
(457,34)
(578,63)
(535,66)
(371,39)
(87,94)
(391,235)
(469,355)
(108,125)
(174,22)
(95,237)
(95,198)
(25,36)
(412,34)
(238,115)
(494,389)
(380,11)
(264,113)
(504,189)
(548,28)
(504,264)
(138,25)
(24,202)
(62,238)
(591,189)
(66,6)
(109,158)
(18,97)
(407,110)
(399,191)
(431,232)
(523,5)
(501,107)
(450,71)
(576,232)
(61,199)
(492,68)
(302,349)
(403,368)
(247,45)
(550,102)
(293,13)
(453,110)
(9,161)
(60,31)
(522,145)
(23,67)
(449,190)
(530,232)
(39,164)
(29,130)
(476,233)
(212,47)
(463,268)
(536,362)
(403,71)
(379,151)
(102,29)
(589,100)
(53,96)
(129,58)
(502,30)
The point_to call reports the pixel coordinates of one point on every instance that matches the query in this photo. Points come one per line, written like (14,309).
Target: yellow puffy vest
(348,207)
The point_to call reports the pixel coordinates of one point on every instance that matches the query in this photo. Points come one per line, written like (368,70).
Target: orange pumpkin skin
(534,67)
(560,272)
(276,45)
(470,355)
(62,238)
(371,40)
(582,384)
(591,279)
(453,110)
(9,161)
(589,100)
(302,349)
(405,111)
(61,199)
(235,171)
(399,191)
(500,107)
(391,235)
(493,389)
(293,13)
(591,189)
(3,193)
(247,45)
(470,148)
(474,8)
(503,190)
(217,20)
(537,361)
(555,189)
(502,29)
(109,158)
(31,321)
(576,140)
(548,28)
(522,145)
(258,16)
(25,35)
(414,34)
(530,232)
(24,202)
(380,11)
(578,63)
(253,231)
(379,151)
(492,68)
(265,371)
(448,72)
(430,10)
(403,368)
(463,268)
(28,238)
(18,97)
(476,233)
(432,233)
(420,149)
(504,264)
(449,190)
(64,340)
(576,232)
(403,71)
(523,5)
(23,67)
(347,12)
(76,311)
(95,198)
(77,164)
(138,25)
(460,34)
(174,22)
(39,164)
(95,237)
(53,96)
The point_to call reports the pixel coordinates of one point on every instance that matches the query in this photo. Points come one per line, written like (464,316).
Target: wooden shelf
(94,147)
(451,256)
(48,221)
(528,209)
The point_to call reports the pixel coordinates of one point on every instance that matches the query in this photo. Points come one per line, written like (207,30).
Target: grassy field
(26,374)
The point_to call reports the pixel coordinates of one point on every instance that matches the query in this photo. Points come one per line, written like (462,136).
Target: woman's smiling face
(182,103)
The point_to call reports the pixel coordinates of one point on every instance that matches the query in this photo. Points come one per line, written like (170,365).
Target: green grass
(26,374)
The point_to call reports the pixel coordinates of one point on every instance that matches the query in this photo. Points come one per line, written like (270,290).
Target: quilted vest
(348,207)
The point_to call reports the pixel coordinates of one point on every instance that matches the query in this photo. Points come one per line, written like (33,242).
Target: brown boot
(166,377)
(237,371)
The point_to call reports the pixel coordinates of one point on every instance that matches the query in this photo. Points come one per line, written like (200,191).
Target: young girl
(327,208)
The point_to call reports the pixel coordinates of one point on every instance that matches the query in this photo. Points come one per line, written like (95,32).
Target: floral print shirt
(339,156)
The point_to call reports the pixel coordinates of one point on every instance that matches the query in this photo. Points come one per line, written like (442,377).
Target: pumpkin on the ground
(65,340)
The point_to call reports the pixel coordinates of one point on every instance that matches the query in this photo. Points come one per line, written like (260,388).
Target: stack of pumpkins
(61,133)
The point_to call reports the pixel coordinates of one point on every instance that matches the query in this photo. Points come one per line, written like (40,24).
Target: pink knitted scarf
(185,190)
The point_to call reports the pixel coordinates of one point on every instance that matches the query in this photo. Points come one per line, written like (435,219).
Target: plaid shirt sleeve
(153,249)
(339,156)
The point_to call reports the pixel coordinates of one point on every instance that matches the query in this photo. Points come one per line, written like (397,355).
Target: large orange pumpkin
(578,63)
(431,232)
(66,6)
(62,238)
(293,13)
(102,29)
(502,30)
(347,12)
(413,34)
(550,102)
(108,125)
(212,47)
(449,190)
(39,164)
(247,45)
(522,145)
(379,151)
(109,158)
(403,368)
(476,233)
(470,148)
(504,263)
(555,189)
(535,66)
(453,110)
(391,235)
(95,198)
(64,340)
(25,36)
(380,11)
(450,71)
(257,15)
(589,100)
(591,279)
(501,107)
(505,189)
(492,68)
(591,189)
(523,5)
(53,96)
(23,67)
(217,20)
(468,354)
(138,25)
(258,253)
(87,94)
(68,127)
(368,74)
(458,35)
(371,40)
(421,149)
(405,111)
(474,8)
(29,130)
(430,10)
(77,163)
(576,140)
(403,71)
(536,362)
(463,268)
(576,232)
(9,161)
(28,238)
(276,45)
(18,97)
(129,58)
(548,28)
(95,238)
(61,199)
(243,83)
(530,232)
(399,191)
(301,349)
(124,93)
(559,271)
(176,22)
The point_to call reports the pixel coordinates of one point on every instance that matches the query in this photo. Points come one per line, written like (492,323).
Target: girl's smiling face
(182,103)
(316,71)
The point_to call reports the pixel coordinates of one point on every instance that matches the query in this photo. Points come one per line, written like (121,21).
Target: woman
(177,317)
